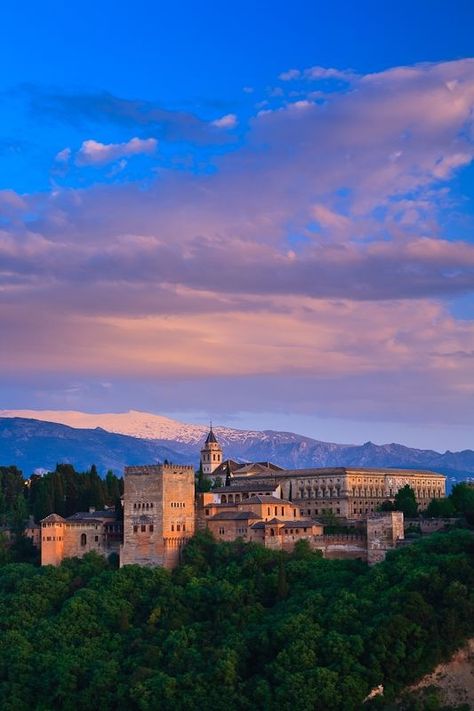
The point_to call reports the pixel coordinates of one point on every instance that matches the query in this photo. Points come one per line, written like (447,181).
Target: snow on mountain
(135,424)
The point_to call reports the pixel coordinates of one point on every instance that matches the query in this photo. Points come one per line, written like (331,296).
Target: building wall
(211,457)
(52,542)
(158,514)
(229,530)
(383,533)
(70,540)
(357,494)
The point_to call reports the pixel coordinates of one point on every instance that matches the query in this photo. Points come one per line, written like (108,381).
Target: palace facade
(260,502)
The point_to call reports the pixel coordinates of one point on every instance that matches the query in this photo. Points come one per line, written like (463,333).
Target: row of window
(143,528)
(207,457)
(179,527)
(311,482)
(321,493)
(316,512)
(52,538)
(140,505)
(276,511)
(229,498)
(178,504)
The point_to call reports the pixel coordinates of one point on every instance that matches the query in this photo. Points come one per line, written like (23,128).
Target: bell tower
(211,454)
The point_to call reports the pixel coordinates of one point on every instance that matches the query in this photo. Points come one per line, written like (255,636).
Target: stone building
(384,532)
(211,454)
(265,519)
(158,513)
(350,493)
(79,534)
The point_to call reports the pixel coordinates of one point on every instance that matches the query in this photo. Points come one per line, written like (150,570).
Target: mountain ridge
(33,443)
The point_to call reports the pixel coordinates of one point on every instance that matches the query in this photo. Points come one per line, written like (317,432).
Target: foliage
(203,484)
(459,503)
(405,500)
(236,626)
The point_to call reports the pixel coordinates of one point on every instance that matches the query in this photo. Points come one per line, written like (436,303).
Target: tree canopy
(235,626)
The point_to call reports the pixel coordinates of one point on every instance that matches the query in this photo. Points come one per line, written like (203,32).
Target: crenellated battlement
(158,469)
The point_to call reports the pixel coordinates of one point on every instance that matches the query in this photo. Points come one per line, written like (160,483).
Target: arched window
(83,539)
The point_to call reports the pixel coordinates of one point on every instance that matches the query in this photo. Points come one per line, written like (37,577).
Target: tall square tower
(159,515)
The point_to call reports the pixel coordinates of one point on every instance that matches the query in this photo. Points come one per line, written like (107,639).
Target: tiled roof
(53,518)
(259,499)
(83,515)
(250,486)
(211,438)
(339,471)
(234,516)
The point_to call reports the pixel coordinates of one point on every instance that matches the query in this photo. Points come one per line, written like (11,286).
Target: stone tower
(52,539)
(211,454)
(158,514)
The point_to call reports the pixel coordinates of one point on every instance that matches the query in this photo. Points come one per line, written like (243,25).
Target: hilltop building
(260,502)
(79,534)
(158,514)
(211,454)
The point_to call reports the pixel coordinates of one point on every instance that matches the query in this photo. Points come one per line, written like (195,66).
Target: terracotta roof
(250,486)
(53,518)
(87,515)
(339,471)
(211,437)
(259,499)
(233,516)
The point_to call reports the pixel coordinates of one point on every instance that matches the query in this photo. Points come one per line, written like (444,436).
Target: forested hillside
(236,626)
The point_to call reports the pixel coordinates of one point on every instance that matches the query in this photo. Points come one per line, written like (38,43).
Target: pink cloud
(234,264)
(227,121)
(95,153)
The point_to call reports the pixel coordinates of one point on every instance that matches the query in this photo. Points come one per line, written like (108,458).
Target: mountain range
(36,439)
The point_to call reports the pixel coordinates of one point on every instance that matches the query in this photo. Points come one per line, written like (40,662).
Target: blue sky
(264,211)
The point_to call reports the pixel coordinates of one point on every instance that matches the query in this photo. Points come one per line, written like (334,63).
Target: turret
(211,454)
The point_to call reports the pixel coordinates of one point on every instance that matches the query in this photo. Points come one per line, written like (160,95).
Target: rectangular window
(143,528)
(96,539)
(151,528)
(135,529)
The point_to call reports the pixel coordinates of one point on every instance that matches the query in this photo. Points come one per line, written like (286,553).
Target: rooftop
(265,499)
(234,516)
(340,471)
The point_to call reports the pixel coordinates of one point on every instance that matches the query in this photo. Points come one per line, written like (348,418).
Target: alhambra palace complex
(258,502)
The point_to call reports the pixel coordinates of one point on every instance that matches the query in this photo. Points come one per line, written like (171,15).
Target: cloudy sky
(264,216)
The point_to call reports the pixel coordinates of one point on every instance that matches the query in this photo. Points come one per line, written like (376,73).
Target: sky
(259,213)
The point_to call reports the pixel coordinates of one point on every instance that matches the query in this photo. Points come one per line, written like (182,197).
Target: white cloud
(290,75)
(328,73)
(95,153)
(63,156)
(227,121)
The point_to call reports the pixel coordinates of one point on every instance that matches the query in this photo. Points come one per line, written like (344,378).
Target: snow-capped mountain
(141,424)
(36,438)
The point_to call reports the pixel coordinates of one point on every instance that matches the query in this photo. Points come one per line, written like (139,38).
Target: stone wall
(159,514)
(384,530)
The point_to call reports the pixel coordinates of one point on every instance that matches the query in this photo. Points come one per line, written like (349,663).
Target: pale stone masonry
(159,515)
(347,492)
(79,534)
(260,503)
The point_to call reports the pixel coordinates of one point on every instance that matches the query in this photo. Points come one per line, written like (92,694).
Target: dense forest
(235,626)
(63,491)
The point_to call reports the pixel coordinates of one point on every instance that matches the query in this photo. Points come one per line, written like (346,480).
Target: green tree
(440,508)
(405,501)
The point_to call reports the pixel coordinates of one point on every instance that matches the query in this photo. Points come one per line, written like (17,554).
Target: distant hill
(32,444)
(44,441)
